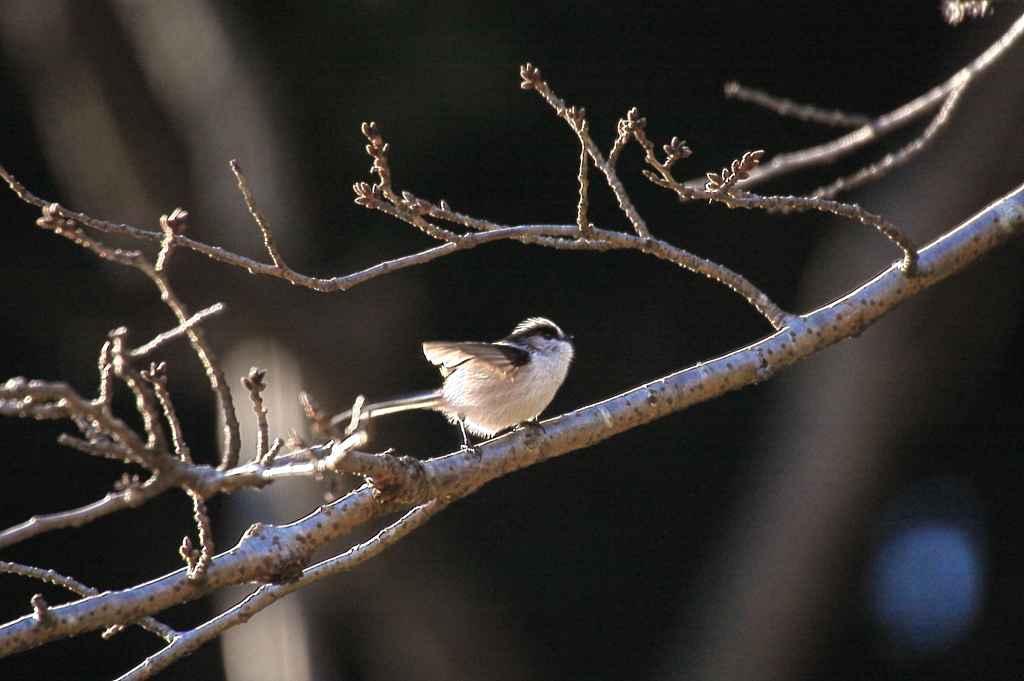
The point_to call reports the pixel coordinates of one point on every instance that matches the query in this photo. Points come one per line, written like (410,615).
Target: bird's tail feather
(423,400)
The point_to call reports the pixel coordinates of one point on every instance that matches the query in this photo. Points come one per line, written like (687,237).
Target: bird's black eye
(549,335)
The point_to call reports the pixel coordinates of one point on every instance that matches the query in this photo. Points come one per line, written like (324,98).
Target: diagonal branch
(257,214)
(131,496)
(801,112)
(188,642)
(178,331)
(824,154)
(899,157)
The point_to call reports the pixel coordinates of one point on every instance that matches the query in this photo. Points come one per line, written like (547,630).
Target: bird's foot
(467,444)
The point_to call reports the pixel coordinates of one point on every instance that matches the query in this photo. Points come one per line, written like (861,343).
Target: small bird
(489,387)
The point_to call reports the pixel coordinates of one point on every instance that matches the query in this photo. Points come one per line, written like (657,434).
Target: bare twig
(178,240)
(58,400)
(199,566)
(171,225)
(532,81)
(157,376)
(106,366)
(955,11)
(408,205)
(584,202)
(799,203)
(145,400)
(178,331)
(803,112)
(214,373)
(275,447)
(827,153)
(722,183)
(255,385)
(597,240)
(330,457)
(721,187)
(41,611)
(320,421)
(115,501)
(96,446)
(257,214)
(411,209)
(896,159)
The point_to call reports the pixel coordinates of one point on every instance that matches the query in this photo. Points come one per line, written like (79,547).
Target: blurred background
(856,517)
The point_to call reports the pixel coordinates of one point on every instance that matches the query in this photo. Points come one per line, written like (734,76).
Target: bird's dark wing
(447,356)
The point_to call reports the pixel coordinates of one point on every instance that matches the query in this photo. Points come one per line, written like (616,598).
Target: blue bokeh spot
(927,585)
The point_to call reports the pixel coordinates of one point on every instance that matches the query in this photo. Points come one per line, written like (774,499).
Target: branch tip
(530,75)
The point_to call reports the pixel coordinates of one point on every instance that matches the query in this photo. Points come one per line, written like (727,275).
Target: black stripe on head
(537,326)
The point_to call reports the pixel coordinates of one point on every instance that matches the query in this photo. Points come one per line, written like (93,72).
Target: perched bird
(489,386)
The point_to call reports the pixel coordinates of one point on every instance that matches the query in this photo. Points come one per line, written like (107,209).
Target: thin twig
(787,107)
(721,187)
(257,214)
(601,240)
(275,448)
(145,400)
(148,623)
(171,225)
(198,568)
(108,449)
(41,611)
(598,240)
(255,385)
(178,240)
(157,377)
(955,11)
(896,159)
(214,373)
(106,366)
(532,81)
(853,211)
(784,164)
(331,457)
(58,400)
(406,203)
(584,202)
(319,420)
(113,502)
(178,331)
(374,197)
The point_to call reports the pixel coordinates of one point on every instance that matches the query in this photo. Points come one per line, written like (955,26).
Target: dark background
(739,539)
